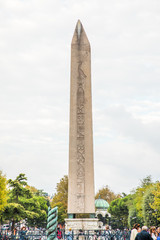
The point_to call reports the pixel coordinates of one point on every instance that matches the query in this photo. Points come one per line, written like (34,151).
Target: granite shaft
(81,166)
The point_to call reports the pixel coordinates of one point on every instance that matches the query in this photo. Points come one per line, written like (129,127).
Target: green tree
(25,204)
(60,198)
(148,211)
(119,211)
(3,192)
(133,216)
(136,203)
(14,212)
(36,210)
(138,196)
(155,205)
(17,188)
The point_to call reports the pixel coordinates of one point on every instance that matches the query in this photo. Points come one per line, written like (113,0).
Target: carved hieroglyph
(81,171)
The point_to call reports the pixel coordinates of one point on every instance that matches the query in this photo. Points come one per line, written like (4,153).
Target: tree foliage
(148,212)
(14,211)
(119,211)
(106,194)
(21,201)
(3,192)
(24,203)
(146,183)
(141,205)
(17,188)
(132,212)
(60,198)
(155,204)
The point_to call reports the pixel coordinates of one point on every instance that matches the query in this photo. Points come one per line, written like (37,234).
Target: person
(95,235)
(143,235)
(128,233)
(80,233)
(108,234)
(153,232)
(139,230)
(23,233)
(69,234)
(158,233)
(15,231)
(59,233)
(134,231)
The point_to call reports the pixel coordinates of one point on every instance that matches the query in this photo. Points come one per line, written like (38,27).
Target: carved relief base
(81,223)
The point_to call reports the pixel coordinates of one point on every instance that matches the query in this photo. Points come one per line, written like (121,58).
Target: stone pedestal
(81,223)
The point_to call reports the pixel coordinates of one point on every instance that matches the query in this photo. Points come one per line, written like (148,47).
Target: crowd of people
(23,234)
(144,233)
(137,233)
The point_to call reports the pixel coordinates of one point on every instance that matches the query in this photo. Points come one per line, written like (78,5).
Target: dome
(101,204)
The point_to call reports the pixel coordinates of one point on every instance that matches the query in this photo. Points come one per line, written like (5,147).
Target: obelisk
(81,196)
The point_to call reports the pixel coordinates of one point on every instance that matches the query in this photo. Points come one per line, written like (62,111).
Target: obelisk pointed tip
(79,34)
(79,28)
(79,22)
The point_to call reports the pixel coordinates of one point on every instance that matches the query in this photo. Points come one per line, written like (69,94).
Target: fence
(86,235)
(98,235)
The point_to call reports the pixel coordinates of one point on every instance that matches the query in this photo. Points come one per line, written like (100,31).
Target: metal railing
(97,235)
(28,236)
(74,235)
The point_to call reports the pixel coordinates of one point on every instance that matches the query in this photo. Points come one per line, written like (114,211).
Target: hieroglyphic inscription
(80,139)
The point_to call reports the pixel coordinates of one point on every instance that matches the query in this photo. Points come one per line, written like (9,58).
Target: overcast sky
(35,38)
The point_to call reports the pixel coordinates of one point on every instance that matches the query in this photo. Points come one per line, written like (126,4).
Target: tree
(148,211)
(18,189)
(119,211)
(146,183)
(137,205)
(3,192)
(106,194)
(133,214)
(36,210)
(60,198)
(155,205)
(25,204)
(14,212)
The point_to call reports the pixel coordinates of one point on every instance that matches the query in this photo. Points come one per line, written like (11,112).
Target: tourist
(69,234)
(158,233)
(80,233)
(23,233)
(143,235)
(134,231)
(108,233)
(59,233)
(126,234)
(153,232)
(95,235)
